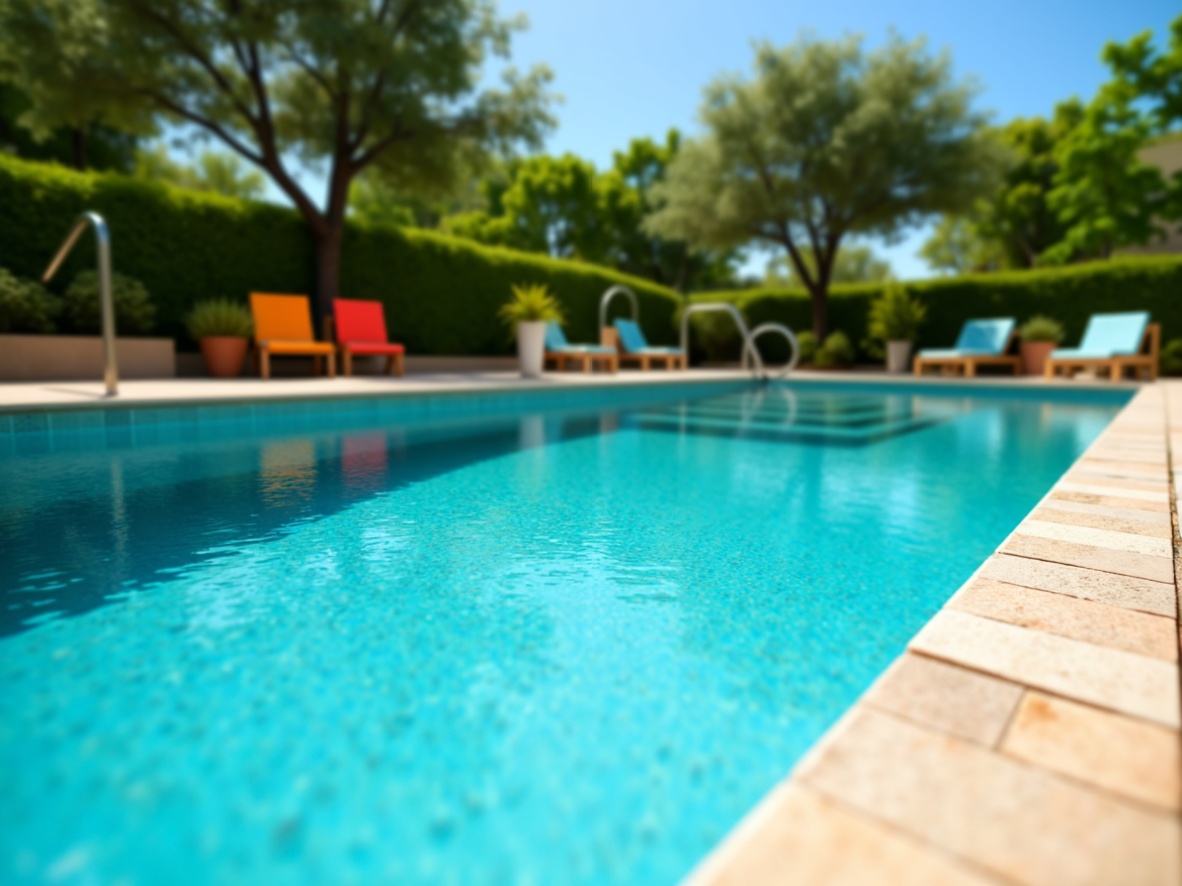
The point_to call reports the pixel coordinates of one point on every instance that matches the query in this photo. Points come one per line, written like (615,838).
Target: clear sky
(630,68)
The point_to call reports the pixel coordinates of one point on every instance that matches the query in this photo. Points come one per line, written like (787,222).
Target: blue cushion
(1109,335)
(583,349)
(630,336)
(985,337)
(555,337)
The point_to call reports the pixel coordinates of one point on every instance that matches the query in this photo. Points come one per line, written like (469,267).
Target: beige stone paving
(1102,559)
(1112,678)
(1094,519)
(1031,733)
(1128,757)
(1065,616)
(963,703)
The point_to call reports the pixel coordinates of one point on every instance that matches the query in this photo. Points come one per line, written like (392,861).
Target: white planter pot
(898,356)
(531,347)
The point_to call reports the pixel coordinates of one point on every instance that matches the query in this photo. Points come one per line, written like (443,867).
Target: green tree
(1154,77)
(92,146)
(1019,218)
(827,141)
(1103,194)
(214,171)
(626,198)
(394,85)
(853,264)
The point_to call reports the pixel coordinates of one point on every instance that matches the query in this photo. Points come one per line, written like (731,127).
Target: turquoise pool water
(568,639)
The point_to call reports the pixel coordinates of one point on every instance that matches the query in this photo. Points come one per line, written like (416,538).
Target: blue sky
(630,68)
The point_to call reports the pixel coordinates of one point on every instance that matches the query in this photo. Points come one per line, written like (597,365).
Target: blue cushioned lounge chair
(636,349)
(563,352)
(1115,342)
(981,343)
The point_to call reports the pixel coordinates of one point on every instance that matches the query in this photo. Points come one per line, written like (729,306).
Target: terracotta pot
(1034,355)
(224,355)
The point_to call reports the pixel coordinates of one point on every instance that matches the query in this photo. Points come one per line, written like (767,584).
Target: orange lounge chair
(283,326)
(361,331)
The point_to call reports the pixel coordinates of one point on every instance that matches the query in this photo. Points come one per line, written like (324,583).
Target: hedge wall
(1069,294)
(441,293)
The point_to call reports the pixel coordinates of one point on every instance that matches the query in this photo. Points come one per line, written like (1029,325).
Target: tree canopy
(565,207)
(214,171)
(1077,188)
(853,264)
(826,141)
(395,85)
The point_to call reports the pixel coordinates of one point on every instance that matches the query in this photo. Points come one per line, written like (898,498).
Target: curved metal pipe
(103,241)
(612,293)
(727,308)
(750,348)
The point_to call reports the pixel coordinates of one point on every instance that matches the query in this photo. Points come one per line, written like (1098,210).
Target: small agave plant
(531,308)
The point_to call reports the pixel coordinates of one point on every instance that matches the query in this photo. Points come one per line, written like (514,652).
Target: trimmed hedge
(1069,295)
(441,293)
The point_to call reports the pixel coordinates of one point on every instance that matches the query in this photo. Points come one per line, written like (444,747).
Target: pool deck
(1030,732)
(69,395)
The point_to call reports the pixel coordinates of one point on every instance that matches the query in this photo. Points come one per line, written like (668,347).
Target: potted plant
(531,308)
(1040,335)
(222,328)
(895,318)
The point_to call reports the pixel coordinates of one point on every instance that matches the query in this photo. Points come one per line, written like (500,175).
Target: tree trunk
(328,269)
(78,148)
(820,299)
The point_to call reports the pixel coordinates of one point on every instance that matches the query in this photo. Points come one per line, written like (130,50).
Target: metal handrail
(103,240)
(750,348)
(612,293)
(750,351)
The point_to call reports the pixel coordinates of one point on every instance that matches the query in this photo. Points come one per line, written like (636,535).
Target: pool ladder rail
(103,241)
(751,358)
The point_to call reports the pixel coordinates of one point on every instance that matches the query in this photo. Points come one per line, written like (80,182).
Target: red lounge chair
(361,332)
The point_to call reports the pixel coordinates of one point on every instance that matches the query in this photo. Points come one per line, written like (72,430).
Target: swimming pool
(563,638)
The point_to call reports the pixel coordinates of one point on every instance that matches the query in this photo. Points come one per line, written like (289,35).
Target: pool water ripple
(523,649)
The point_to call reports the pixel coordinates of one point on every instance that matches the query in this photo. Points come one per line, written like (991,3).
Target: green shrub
(219,317)
(715,335)
(836,351)
(1072,294)
(807,342)
(1170,360)
(440,293)
(134,312)
(26,305)
(530,304)
(894,315)
(1041,328)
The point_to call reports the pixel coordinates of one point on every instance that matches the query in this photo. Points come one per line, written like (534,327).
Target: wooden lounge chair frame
(563,359)
(966,364)
(1145,361)
(322,353)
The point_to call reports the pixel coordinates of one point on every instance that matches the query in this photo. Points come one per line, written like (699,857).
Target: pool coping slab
(54,396)
(1030,733)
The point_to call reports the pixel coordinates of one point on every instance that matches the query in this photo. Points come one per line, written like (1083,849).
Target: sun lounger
(981,343)
(563,353)
(283,327)
(1115,342)
(634,348)
(360,328)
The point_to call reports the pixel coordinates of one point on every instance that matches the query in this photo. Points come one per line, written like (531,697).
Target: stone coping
(1030,732)
(73,395)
